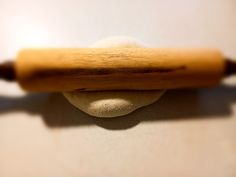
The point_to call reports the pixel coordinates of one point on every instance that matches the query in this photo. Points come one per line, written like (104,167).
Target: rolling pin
(87,69)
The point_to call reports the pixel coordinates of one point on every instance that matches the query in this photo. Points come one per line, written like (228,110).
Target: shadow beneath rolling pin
(175,105)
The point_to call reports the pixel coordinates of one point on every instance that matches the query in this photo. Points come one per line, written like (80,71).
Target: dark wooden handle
(7,71)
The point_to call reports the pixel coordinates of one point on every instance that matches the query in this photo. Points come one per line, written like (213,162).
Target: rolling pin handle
(7,71)
(230,67)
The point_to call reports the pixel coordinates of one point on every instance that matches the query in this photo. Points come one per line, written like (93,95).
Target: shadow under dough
(174,105)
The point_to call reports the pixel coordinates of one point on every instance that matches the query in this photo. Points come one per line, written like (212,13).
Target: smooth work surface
(186,133)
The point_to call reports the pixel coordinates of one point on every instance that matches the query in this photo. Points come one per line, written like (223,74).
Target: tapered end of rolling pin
(7,71)
(230,67)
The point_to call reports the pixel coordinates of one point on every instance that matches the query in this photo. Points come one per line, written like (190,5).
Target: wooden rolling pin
(52,70)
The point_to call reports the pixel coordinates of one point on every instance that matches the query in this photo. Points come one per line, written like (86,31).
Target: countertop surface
(188,133)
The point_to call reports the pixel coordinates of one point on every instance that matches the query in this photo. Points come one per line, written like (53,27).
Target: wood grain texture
(118,69)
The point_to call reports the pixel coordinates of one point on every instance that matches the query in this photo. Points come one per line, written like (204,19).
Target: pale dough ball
(112,103)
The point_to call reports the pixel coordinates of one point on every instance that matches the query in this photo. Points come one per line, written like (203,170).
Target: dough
(112,103)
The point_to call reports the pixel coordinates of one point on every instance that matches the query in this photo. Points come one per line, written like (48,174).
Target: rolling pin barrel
(118,69)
